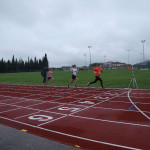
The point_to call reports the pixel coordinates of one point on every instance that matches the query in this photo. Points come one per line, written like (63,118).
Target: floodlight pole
(141,56)
(90,53)
(143,41)
(104,58)
(128,56)
(85,58)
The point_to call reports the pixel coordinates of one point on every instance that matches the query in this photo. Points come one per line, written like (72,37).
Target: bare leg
(45,82)
(70,82)
(76,80)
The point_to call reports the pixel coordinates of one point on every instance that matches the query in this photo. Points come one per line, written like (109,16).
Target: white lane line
(9,110)
(71,114)
(95,104)
(137,107)
(51,120)
(136,111)
(73,136)
(111,121)
(26,115)
(36,109)
(127,102)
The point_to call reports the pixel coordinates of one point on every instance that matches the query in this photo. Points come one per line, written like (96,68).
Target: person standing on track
(97,72)
(50,77)
(74,71)
(43,73)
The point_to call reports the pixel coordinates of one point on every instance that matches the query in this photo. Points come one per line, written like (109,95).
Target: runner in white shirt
(74,71)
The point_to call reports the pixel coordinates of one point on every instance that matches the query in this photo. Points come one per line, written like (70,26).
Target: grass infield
(111,78)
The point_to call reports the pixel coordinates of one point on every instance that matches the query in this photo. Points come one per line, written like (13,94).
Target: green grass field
(111,78)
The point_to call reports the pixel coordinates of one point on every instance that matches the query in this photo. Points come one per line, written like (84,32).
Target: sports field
(111,78)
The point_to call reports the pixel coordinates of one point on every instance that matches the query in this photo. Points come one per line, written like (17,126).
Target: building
(84,68)
(143,65)
(115,65)
(66,68)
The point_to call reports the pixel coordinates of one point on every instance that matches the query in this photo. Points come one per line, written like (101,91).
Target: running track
(92,118)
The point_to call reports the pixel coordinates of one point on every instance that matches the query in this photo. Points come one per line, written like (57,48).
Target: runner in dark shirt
(43,73)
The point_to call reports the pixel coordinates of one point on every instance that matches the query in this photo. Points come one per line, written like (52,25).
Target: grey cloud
(63,29)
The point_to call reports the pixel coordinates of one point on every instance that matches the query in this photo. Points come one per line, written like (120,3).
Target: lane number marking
(87,102)
(40,117)
(68,108)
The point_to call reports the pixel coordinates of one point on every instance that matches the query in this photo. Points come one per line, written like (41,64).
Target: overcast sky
(63,29)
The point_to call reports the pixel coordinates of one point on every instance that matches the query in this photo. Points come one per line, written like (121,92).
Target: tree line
(20,65)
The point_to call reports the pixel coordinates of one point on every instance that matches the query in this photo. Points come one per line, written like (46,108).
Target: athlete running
(97,72)
(50,77)
(74,71)
(43,73)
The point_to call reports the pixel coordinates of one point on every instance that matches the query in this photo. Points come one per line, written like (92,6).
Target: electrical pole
(141,56)
(85,58)
(104,58)
(90,53)
(128,56)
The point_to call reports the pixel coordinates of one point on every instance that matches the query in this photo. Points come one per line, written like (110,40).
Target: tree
(45,61)
(19,65)
(13,65)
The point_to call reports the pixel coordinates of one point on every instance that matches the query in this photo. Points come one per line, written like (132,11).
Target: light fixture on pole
(128,56)
(143,41)
(90,53)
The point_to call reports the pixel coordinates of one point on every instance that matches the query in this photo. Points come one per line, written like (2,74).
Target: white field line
(52,120)
(137,107)
(65,115)
(96,104)
(26,101)
(26,115)
(78,110)
(128,102)
(55,107)
(9,110)
(140,97)
(121,109)
(47,110)
(117,122)
(73,136)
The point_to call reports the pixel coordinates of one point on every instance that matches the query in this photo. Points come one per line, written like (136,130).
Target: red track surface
(89,117)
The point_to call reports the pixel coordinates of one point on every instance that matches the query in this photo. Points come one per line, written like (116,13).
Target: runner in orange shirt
(97,72)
